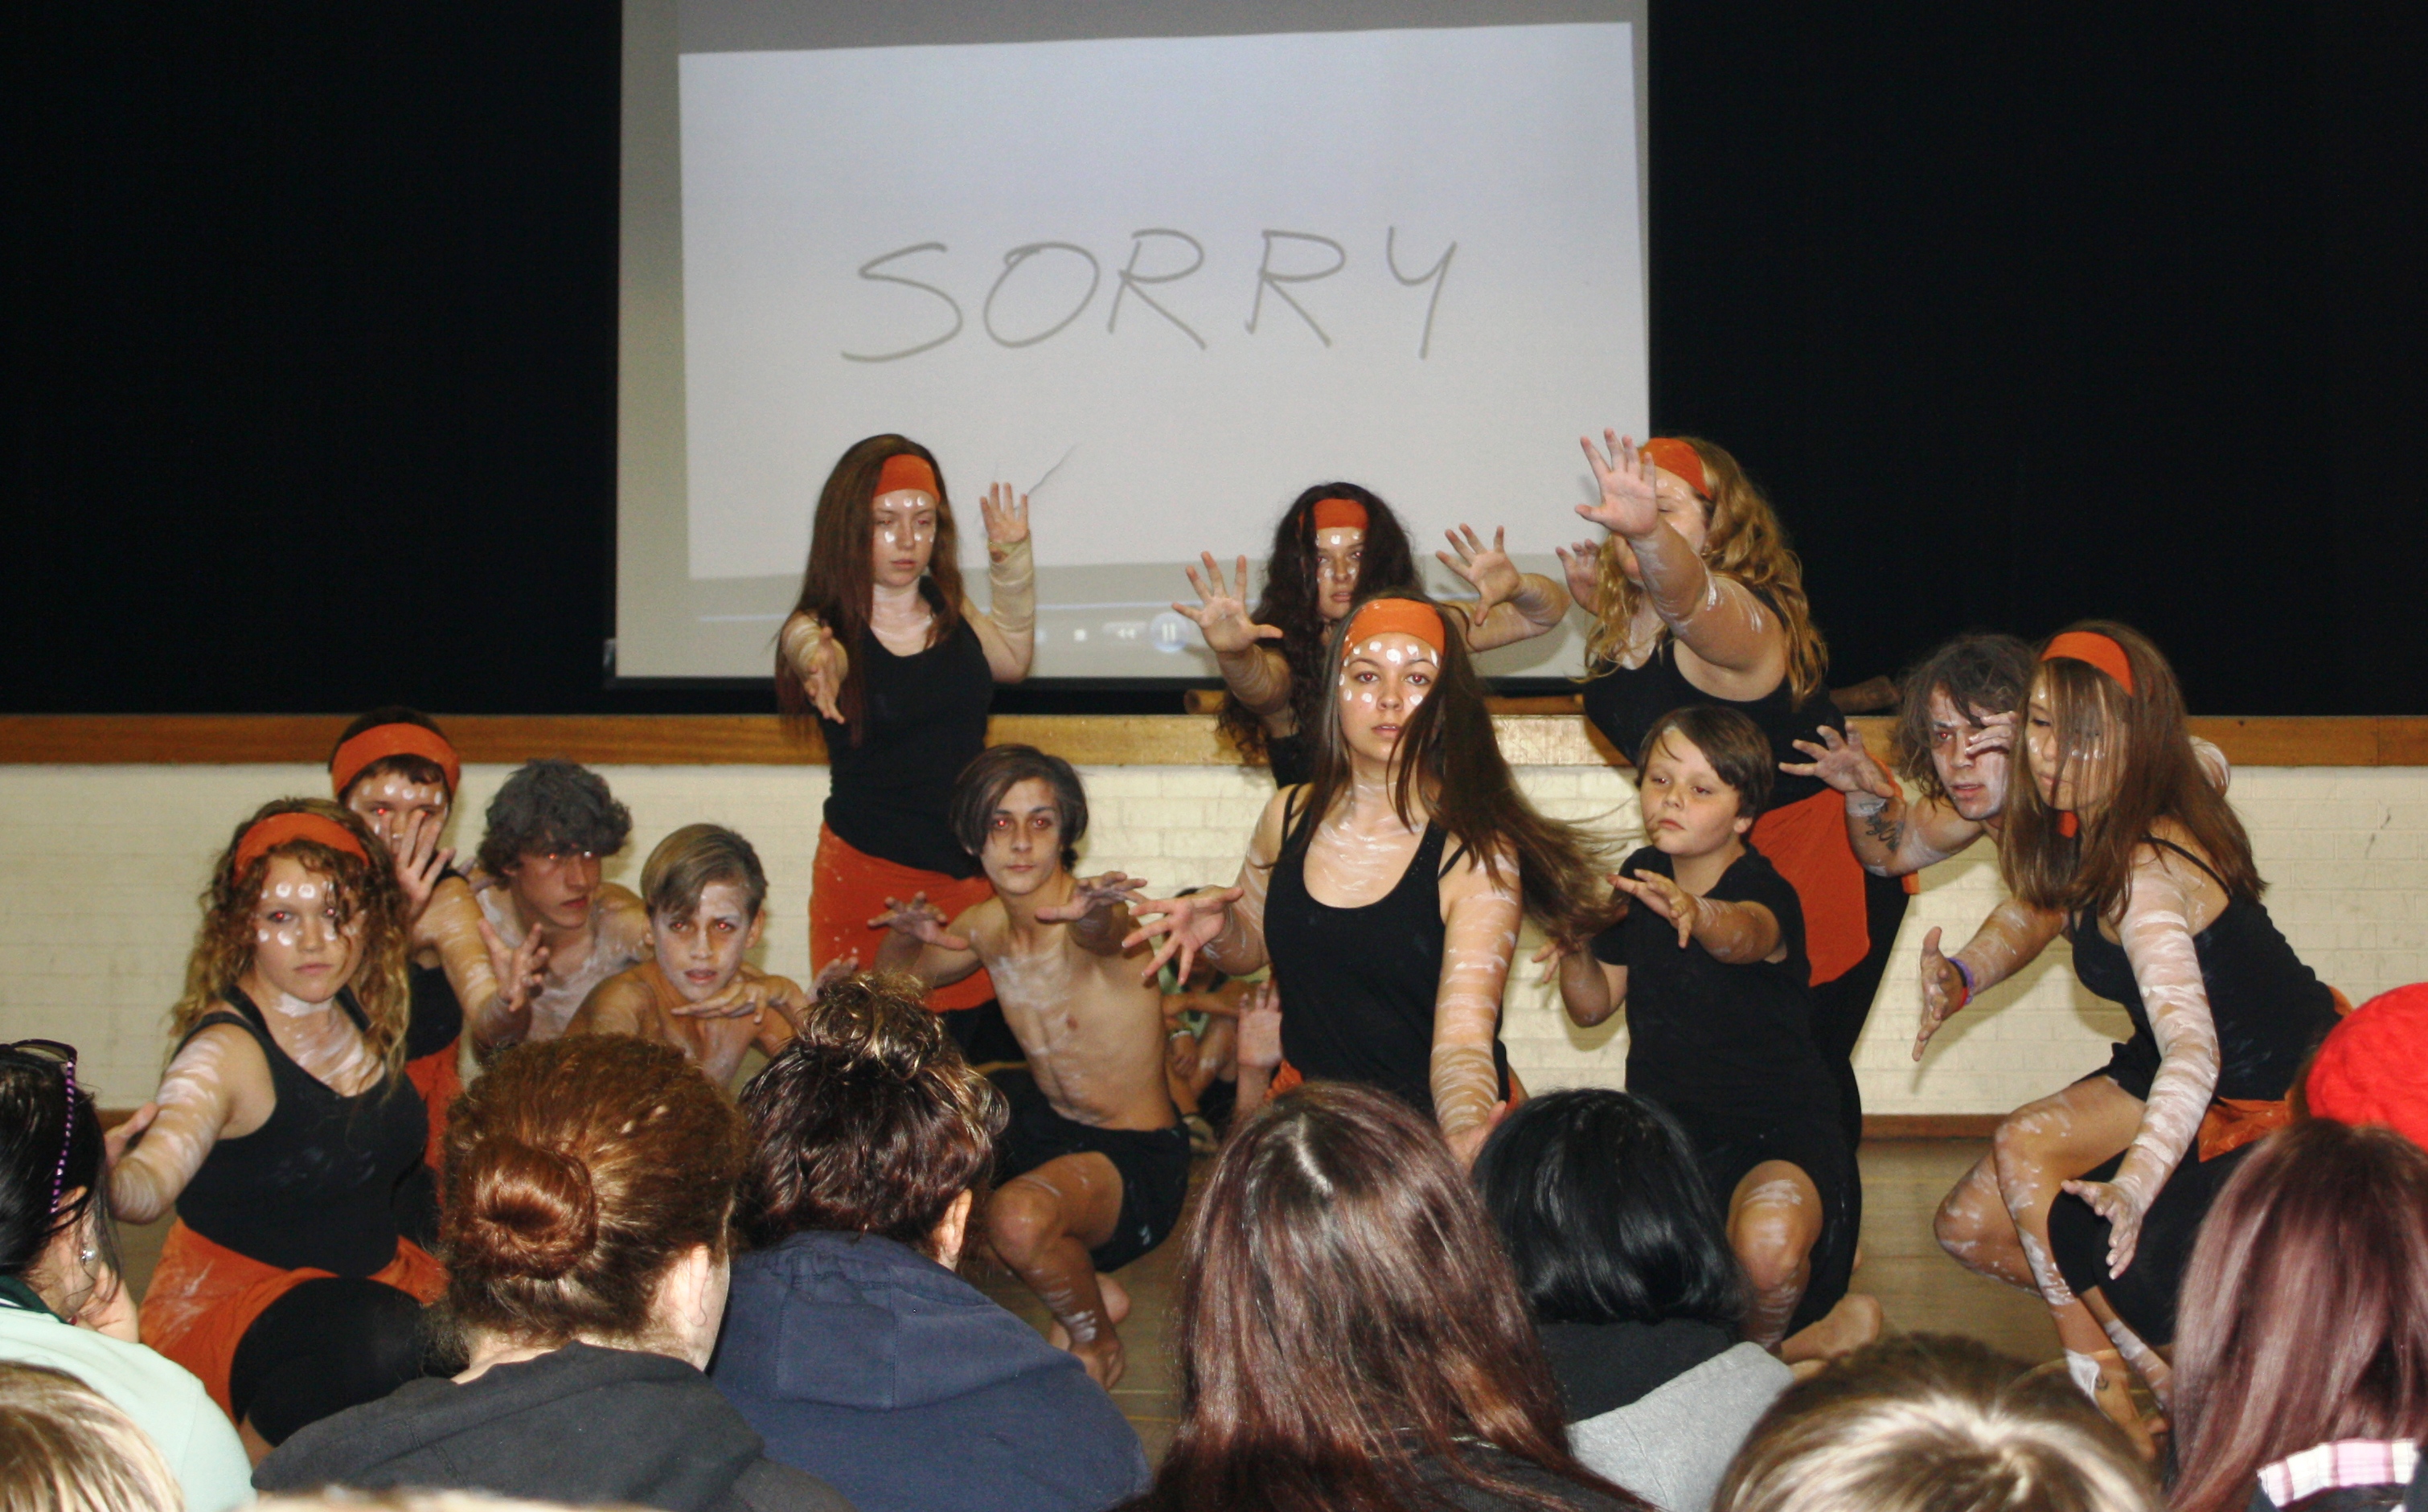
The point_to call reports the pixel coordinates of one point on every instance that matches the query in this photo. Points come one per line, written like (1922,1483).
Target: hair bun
(531,1212)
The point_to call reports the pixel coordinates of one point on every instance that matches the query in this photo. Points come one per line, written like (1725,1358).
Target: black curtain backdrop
(2021,313)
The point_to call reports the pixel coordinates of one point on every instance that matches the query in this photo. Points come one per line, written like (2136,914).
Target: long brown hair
(1346,1311)
(365,889)
(1450,765)
(1288,602)
(2142,740)
(1746,542)
(2304,1316)
(838,584)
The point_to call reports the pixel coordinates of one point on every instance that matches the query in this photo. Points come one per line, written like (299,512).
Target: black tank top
(313,1186)
(1358,984)
(924,718)
(2269,1009)
(1624,704)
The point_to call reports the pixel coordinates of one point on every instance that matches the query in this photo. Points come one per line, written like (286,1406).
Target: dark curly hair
(1289,602)
(1989,672)
(550,806)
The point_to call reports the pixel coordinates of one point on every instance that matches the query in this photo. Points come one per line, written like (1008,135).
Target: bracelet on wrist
(1965,974)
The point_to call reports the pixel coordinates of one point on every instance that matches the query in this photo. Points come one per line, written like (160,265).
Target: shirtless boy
(1095,1164)
(705,891)
(549,828)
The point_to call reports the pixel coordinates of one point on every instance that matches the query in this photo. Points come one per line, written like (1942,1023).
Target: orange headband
(906,469)
(266,834)
(1340,515)
(1384,617)
(380,741)
(2091,646)
(1670,455)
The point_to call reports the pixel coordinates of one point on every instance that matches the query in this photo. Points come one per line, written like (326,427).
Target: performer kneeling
(706,893)
(280,1132)
(549,828)
(1095,1164)
(1398,876)
(1707,962)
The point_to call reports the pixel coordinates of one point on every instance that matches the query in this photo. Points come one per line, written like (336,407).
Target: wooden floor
(1903,1180)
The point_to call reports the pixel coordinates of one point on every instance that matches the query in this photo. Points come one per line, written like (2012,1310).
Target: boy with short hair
(1094,1167)
(705,892)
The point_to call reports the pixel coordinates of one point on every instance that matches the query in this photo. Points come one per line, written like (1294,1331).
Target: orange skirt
(1807,842)
(849,887)
(439,1078)
(205,1295)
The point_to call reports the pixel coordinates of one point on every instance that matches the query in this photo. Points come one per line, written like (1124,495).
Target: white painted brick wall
(101,866)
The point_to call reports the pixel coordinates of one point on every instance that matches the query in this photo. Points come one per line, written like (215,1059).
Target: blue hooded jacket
(868,1364)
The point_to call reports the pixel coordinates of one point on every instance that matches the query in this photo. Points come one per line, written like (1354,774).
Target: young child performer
(1708,963)
(1095,1164)
(282,1130)
(1387,893)
(705,892)
(398,773)
(897,668)
(1336,544)
(1696,599)
(2116,826)
(549,829)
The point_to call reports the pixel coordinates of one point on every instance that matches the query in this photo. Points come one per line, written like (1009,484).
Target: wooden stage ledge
(1533,732)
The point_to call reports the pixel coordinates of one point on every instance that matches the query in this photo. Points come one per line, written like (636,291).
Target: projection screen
(1159,266)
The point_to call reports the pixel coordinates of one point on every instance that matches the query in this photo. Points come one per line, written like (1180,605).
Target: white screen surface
(1162,282)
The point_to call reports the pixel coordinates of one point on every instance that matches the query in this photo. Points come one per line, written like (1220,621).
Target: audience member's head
(869,1122)
(1606,1216)
(590,1182)
(2304,1311)
(2372,1067)
(1348,1321)
(1930,1423)
(65,1448)
(338,1499)
(54,1233)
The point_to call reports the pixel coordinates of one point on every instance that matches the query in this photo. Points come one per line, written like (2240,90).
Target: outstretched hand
(922,921)
(1663,895)
(1089,894)
(1841,762)
(1184,925)
(1627,505)
(2123,1215)
(1942,991)
(117,1142)
(816,658)
(1580,563)
(1487,568)
(831,973)
(1006,515)
(419,863)
(750,997)
(1260,1043)
(521,973)
(1222,615)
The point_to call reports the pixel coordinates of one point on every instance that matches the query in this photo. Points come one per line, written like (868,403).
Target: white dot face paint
(303,949)
(388,801)
(1386,678)
(1339,557)
(902,526)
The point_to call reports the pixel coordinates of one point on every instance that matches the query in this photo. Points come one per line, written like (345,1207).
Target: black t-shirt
(924,718)
(1625,702)
(1705,1038)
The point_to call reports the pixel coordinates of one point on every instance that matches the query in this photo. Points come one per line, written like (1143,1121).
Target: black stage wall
(2022,313)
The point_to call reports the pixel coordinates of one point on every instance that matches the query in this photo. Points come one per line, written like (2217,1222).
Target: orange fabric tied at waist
(1285,1077)
(848,887)
(2232,1123)
(1807,842)
(204,1295)
(439,1078)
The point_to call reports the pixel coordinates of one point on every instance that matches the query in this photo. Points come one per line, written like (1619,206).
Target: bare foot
(1103,1354)
(1856,1320)
(2115,1399)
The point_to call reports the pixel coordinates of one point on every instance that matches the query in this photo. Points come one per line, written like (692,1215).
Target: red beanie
(2372,1067)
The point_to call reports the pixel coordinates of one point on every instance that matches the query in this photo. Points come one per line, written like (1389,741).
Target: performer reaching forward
(1336,544)
(549,831)
(897,668)
(1696,599)
(1387,892)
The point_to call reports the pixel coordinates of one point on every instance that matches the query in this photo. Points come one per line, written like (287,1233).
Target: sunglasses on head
(62,1057)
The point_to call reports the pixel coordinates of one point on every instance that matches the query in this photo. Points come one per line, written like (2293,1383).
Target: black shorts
(1728,1148)
(1152,1164)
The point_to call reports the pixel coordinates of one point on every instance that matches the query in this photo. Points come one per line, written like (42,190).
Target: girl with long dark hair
(1350,1335)
(887,657)
(1336,544)
(2115,823)
(1386,891)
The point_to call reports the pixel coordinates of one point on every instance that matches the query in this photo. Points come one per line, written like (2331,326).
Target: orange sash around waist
(2232,1123)
(205,1295)
(1807,842)
(440,1082)
(849,887)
